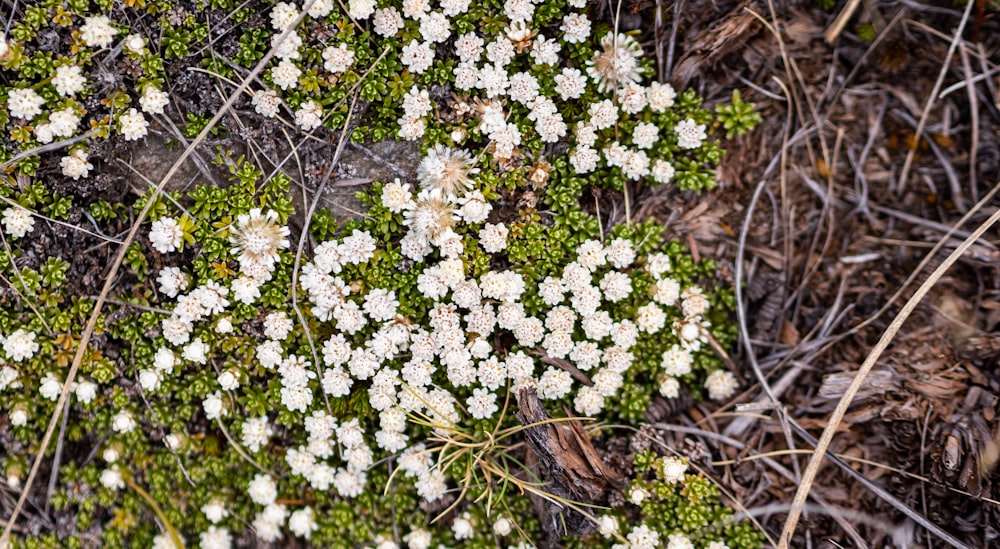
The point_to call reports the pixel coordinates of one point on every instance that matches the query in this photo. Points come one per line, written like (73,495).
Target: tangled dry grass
(877,158)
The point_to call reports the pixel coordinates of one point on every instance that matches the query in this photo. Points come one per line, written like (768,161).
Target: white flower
(690,134)
(435,27)
(135,44)
(111,478)
(165,541)
(663,171)
(644,135)
(387,21)
(86,391)
(620,253)
(269,522)
(676,541)
(215,538)
(8,378)
(150,379)
(544,51)
(636,165)
(650,318)
(575,28)
(228,380)
(266,102)
(258,238)
(75,164)
(672,469)
(554,384)
(20,345)
(644,537)
(570,83)
(255,433)
(493,79)
(68,80)
(360,9)
(380,305)
(246,290)
(503,526)
(415,9)
(338,59)
(309,116)
(24,103)
(285,75)
(17,222)
(196,351)
(694,302)
(287,47)
(670,387)
(349,484)
(584,160)
(396,197)
(447,170)
(153,100)
(588,401)
(616,63)
(603,114)
(123,422)
(97,31)
(660,96)
(166,235)
(637,495)
(519,10)
(607,526)
(500,52)
(493,237)
(418,539)
(482,404)
(721,384)
(277,325)
(632,98)
(215,510)
(213,405)
(320,8)
(50,387)
(132,125)
(262,490)
(283,15)
(463,526)
(452,8)
(303,522)
(417,56)
(18,417)
(716,545)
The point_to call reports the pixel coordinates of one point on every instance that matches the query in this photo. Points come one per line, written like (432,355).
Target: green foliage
(167,388)
(738,117)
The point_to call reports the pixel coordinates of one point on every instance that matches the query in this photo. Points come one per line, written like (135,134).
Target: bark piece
(568,463)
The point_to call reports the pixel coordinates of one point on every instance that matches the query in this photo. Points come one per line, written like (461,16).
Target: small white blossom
(75,164)
(690,134)
(97,31)
(153,100)
(17,222)
(20,345)
(166,235)
(132,125)
(68,80)
(721,384)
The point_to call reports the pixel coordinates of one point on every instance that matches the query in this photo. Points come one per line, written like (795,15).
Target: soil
(846,203)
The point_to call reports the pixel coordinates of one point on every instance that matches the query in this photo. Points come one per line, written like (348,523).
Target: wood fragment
(568,463)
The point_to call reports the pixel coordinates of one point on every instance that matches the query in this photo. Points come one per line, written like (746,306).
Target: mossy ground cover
(261,374)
